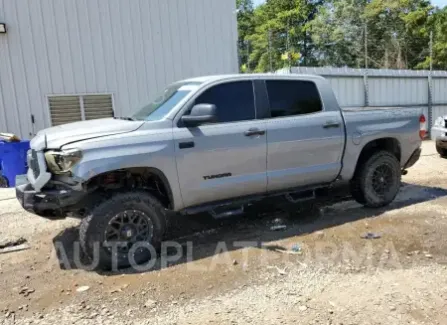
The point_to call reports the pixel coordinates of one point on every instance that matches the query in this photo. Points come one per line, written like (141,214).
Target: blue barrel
(13,160)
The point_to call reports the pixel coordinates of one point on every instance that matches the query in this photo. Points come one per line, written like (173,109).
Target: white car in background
(439,134)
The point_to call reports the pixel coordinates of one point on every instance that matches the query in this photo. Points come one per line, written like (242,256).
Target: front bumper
(50,204)
(438,132)
(441,142)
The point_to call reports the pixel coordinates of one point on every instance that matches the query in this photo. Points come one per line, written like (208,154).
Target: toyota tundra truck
(214,144)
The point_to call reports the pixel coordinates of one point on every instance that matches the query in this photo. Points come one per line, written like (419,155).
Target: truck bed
(365,124)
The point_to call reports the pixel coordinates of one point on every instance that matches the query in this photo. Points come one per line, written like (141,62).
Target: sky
(439,3)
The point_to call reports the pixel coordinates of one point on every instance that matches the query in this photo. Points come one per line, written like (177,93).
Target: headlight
(60,162)
(439,121)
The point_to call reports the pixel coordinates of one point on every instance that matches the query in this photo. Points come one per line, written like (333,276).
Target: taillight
(422,127)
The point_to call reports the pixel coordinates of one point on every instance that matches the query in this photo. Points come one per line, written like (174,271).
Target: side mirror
(200,114)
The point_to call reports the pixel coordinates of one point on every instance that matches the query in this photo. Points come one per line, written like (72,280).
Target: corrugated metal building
(63,60)
(383,87)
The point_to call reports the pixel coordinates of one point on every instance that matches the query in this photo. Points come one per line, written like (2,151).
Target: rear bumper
(51,204)
(413,158)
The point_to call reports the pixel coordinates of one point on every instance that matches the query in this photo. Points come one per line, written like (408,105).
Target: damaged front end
(49,191)
(53,202)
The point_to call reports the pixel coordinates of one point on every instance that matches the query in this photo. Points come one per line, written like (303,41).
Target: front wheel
(123,230)
(377,181)
(442,152)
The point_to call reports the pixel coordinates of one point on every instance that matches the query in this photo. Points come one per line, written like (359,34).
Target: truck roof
(212,78)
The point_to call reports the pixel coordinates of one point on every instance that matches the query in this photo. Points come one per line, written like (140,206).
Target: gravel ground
(314,272)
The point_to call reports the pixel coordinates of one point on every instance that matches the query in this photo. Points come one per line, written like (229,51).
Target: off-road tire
(361,185)
(442,152)
(93,227)
(356,191)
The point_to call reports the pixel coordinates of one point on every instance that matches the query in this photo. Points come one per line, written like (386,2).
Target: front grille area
(34,163)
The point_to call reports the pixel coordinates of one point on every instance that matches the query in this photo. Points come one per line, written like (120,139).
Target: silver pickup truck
(215,144)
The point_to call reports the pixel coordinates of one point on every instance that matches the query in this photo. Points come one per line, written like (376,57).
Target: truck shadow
(199,237)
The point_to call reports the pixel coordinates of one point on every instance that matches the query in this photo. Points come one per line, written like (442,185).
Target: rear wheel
(442,152)
(377,181)
(124,230)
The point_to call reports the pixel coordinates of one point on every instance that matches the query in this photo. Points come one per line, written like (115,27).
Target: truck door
(225,159)
(304,140)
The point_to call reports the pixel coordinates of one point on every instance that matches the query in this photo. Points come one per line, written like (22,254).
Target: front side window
(234,101)
(166,101)
(293,97)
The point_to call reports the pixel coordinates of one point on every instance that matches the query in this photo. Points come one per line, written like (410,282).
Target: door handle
(186,145)
(253,131)
(331,124)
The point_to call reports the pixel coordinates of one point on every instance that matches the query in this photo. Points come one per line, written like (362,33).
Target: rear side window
(234,101)
(293,97)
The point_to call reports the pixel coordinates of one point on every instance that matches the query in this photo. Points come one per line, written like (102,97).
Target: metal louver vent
(98,106)
(65,109)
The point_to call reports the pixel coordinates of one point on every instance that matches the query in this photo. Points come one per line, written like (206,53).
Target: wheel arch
(136,178)
(388,144)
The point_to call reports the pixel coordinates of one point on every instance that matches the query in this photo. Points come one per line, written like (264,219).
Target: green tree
(245,15)
(333,33)
(397,32)
(280,27)
(438,25)
(338,33)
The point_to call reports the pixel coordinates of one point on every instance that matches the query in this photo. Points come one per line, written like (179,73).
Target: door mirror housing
(200,114)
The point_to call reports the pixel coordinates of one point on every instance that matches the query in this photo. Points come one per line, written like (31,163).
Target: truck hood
(58,136)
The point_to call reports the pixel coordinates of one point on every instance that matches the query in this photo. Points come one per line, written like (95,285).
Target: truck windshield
(165,102)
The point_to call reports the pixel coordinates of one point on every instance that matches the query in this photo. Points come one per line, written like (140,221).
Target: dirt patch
(318,269)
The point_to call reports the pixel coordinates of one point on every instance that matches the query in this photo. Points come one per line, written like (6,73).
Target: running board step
(300,196)
(226,212)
